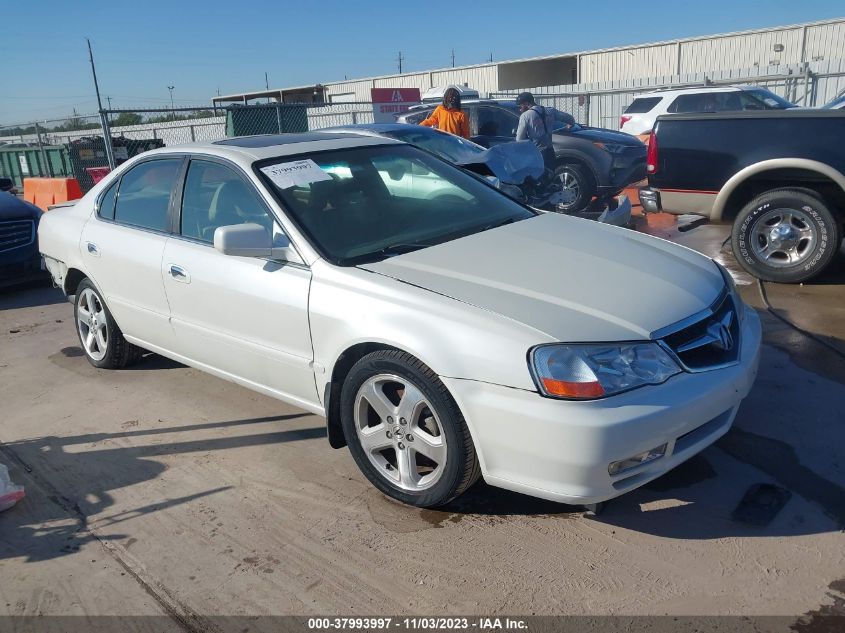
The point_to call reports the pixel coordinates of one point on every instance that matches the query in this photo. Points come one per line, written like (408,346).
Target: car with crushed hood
(444,337)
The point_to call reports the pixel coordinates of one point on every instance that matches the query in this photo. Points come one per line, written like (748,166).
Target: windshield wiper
(401,248)
(496,225)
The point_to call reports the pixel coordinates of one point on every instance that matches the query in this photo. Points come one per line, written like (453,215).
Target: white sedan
(443,337)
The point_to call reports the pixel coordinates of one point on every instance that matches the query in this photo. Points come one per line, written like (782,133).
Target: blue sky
(143,47)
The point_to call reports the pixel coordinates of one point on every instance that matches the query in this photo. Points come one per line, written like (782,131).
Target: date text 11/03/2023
(417,623)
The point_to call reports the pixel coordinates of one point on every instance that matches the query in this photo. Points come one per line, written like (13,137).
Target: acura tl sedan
(444,337)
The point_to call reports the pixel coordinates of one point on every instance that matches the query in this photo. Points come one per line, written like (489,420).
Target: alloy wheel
(399,432)
(91,321)
(783,237)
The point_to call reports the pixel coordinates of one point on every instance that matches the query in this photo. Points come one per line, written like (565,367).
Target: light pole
(172,109)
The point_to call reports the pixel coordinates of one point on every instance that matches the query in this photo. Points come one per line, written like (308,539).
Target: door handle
(92,248)
(179,274)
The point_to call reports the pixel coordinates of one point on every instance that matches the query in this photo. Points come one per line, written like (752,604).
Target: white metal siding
(826,41)
(741,51)
(483,78)
(630,63)
(361,89)
(415,80)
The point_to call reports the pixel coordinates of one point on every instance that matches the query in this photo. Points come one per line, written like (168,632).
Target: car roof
(464,102)
(671,92)
(259,147)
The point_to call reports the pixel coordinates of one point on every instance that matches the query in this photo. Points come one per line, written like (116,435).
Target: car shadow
(30,295)
(65,486)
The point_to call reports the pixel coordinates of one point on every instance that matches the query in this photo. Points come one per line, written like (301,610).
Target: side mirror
(253,240)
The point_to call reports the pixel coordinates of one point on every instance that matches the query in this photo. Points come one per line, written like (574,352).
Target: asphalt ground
(160,490)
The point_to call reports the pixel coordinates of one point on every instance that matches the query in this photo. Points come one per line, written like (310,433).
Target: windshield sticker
(299,173)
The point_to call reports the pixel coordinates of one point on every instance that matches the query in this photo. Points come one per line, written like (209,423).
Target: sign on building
(388,102)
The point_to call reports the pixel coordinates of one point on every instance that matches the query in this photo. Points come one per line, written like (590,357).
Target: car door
(123,244)
(492,126)
(244,317)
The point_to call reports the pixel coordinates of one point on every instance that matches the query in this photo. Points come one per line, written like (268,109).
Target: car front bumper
(560,450)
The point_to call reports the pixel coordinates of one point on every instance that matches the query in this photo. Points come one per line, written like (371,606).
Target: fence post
(104,123)
(279,117)
(587,109)
(46,162)
(354,118)
(193,136)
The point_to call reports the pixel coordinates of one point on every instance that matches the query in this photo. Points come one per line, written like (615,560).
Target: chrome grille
(708,342)
(16,233)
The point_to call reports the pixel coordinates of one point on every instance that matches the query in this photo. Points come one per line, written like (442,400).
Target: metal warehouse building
(763,48)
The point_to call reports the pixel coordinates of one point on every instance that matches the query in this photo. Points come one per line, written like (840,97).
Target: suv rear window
(643,104)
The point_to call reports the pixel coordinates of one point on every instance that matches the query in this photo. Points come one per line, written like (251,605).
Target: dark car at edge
(589,161)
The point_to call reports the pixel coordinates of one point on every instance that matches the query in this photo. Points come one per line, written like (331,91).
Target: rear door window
(496,122)
(143,199)
(688,103)
(642,105)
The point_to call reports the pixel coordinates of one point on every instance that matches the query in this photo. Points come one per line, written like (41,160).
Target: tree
(127,118)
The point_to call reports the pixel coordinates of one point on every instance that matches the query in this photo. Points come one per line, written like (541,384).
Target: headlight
(739,305)
(585,372)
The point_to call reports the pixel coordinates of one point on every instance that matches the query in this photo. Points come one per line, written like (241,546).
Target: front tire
(100,337)
(405,432)
(785,236)
(574,182)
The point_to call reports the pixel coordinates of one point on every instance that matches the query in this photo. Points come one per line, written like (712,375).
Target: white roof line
(696,38)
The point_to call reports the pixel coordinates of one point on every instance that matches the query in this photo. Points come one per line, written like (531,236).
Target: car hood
(572,279)
(511,163)
(601,135)
(13,208)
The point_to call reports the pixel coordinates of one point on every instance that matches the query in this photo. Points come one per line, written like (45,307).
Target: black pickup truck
(779,177)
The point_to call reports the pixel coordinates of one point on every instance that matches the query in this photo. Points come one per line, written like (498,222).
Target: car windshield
(369,203)
(770,98)
(452,148)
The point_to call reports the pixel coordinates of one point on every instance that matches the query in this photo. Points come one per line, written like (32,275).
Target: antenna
(453,58)
(399,59)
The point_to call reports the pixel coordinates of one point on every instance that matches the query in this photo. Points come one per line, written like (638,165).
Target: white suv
(639,117)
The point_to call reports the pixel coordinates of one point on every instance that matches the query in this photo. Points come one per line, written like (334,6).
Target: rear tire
(405,432)
(100,337)
(574,178)
(785,236)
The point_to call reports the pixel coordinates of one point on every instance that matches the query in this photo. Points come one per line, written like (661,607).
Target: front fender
(349,306)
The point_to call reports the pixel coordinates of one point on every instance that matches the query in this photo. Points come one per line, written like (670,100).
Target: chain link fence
(75,147)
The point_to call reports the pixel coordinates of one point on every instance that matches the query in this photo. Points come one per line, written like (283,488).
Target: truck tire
(573,178)
(785,236)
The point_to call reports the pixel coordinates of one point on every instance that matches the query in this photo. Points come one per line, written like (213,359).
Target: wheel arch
(72,280)
(779,173)
(568,157)
(339,370)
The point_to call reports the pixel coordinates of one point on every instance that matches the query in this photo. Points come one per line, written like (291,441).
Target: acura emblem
(720,332)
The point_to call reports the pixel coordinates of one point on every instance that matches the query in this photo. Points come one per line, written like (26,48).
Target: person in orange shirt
(449,117)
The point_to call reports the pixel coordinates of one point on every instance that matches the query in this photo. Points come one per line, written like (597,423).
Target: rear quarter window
(643,104)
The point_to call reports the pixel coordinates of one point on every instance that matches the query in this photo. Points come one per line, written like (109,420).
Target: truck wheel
(576,185)
(101,339)
(405,431)
(785,235)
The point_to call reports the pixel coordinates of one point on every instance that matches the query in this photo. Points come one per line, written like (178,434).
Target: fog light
(614,468)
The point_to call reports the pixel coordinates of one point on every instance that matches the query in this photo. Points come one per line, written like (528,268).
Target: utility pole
(491,58)
(103,121)
(266,81)
(399,59)
(172,108)
(453,58)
